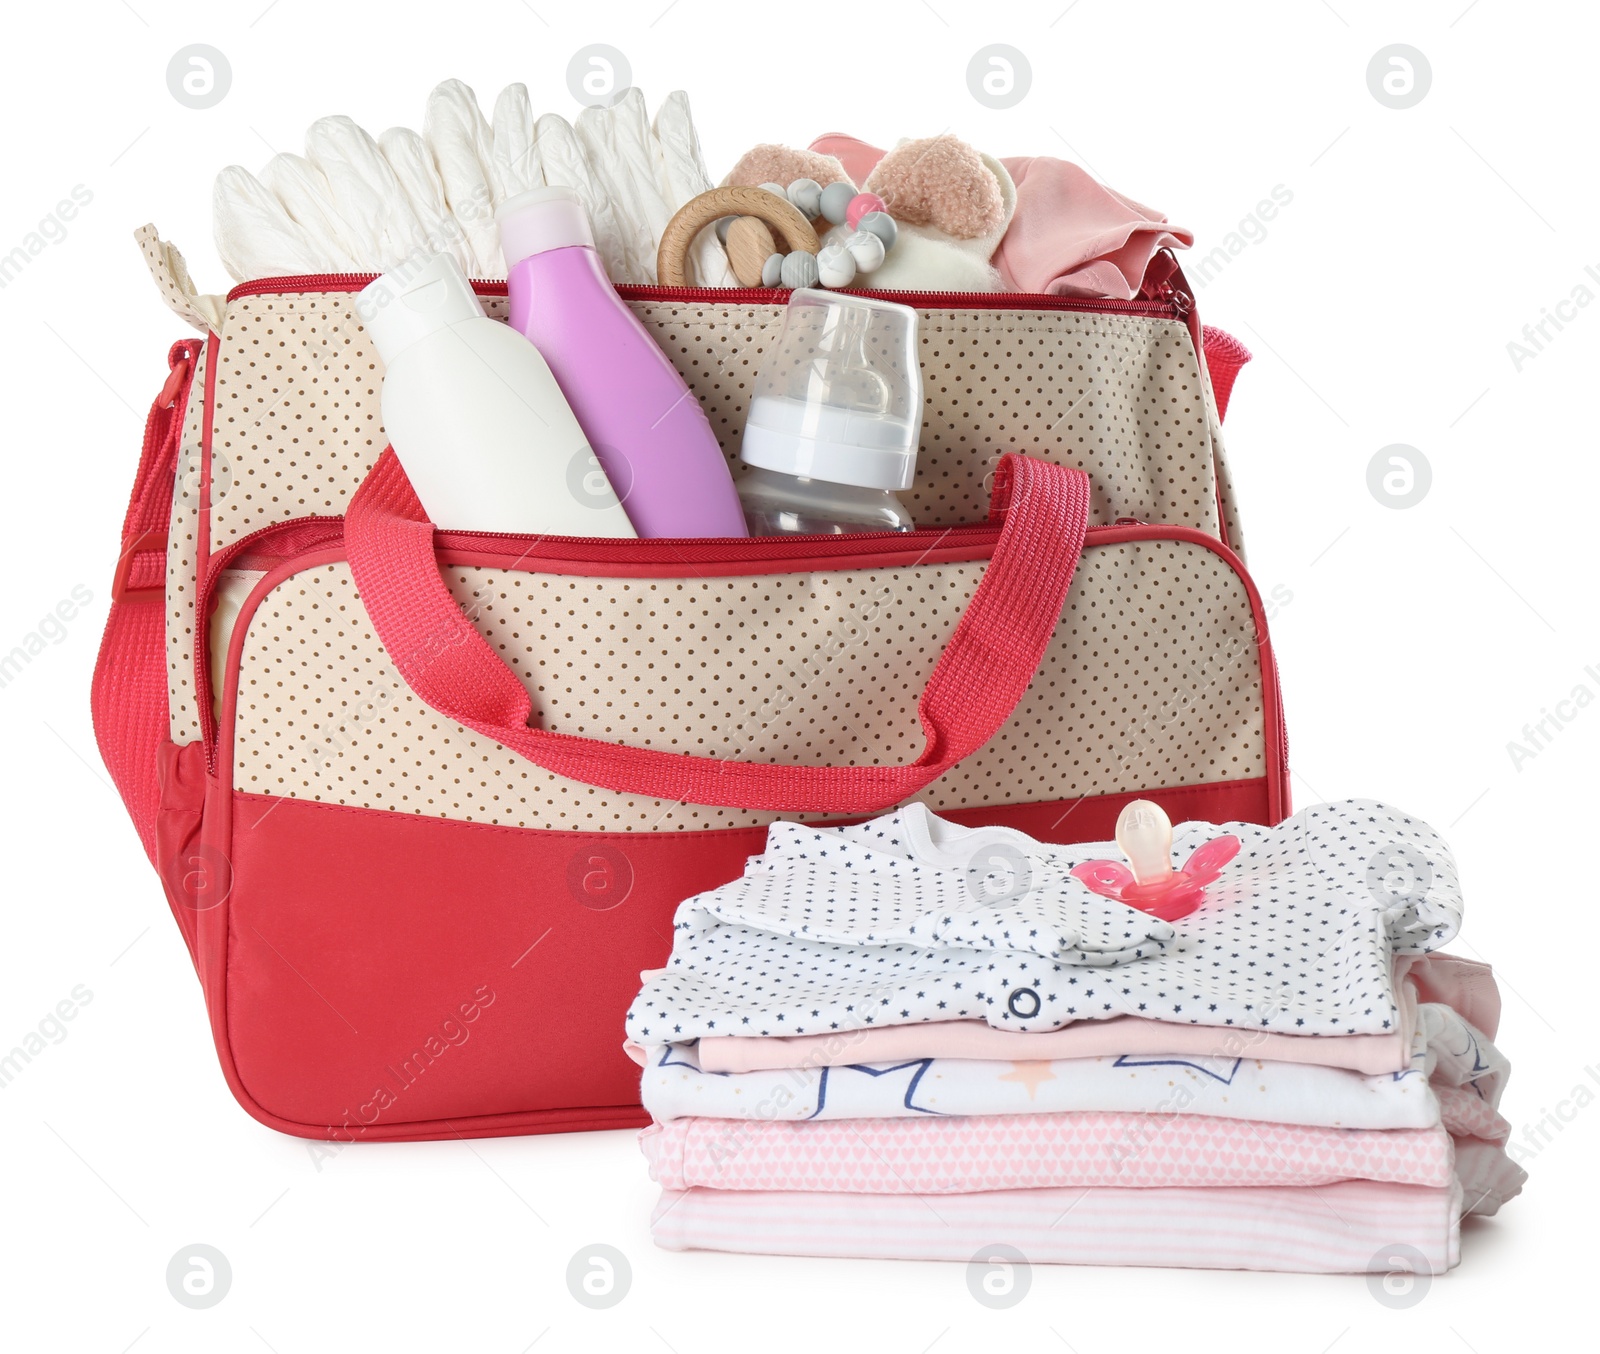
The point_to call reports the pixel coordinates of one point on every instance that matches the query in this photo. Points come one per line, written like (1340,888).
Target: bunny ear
(942,182)
(1106,877)
(769,163)
(1207,861)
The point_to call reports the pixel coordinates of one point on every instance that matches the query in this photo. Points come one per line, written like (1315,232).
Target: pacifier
(1144,832)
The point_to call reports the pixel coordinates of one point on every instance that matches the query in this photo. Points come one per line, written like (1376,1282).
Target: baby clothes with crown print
(1298,935)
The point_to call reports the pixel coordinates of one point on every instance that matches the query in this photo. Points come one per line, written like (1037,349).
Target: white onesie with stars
(910,918)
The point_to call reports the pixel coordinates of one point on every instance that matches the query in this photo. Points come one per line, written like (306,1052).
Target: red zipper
(715,549)
(1176,304)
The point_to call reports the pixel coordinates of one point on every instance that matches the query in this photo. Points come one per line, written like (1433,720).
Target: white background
(1417,644)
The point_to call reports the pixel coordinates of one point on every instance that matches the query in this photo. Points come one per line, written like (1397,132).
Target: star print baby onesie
(910,918)
(1445,1049)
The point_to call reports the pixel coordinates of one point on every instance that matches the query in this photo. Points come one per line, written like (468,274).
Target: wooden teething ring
(793,230)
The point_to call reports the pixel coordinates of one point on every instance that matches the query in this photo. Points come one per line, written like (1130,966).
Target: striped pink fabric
(1033,1151)
(1351,1227)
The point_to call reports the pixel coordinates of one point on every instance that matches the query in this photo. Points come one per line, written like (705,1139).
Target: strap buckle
(175,379)
(144,543)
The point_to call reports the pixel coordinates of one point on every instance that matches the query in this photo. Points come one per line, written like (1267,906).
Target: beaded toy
(746,219)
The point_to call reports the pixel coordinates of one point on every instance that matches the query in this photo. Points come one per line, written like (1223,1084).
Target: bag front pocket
(388,862)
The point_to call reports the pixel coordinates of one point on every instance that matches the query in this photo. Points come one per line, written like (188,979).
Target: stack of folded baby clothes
(916,1039)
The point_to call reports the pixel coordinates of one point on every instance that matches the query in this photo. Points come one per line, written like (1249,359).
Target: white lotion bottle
(483,431)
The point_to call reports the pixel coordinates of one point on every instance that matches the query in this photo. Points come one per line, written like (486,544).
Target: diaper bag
(423,803)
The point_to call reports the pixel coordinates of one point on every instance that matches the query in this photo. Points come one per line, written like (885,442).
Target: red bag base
(377,976)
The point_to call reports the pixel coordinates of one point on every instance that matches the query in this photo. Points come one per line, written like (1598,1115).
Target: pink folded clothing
(1369,1053)
(1081,1150)
(1073,236)
(1465,985)
(1347,1228)
(891,1118)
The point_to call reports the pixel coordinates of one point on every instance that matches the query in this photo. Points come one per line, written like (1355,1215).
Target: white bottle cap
(839,396)
(406,305)
(541,219)
(825,442)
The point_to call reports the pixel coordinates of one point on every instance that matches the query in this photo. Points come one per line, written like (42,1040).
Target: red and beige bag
(423,804)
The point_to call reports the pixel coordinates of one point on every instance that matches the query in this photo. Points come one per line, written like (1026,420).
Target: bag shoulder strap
(129,695)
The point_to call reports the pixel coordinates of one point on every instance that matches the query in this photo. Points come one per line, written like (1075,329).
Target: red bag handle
(978,681)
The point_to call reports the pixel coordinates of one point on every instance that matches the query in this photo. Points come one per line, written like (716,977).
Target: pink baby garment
(1085,1150)
(1333,1229)
(1073,236)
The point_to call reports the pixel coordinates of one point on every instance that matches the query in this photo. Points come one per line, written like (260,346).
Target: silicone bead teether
(806,194)
(835,201)
(836,266)
(860,205)
(1144,832)
(866,249)
(882,225)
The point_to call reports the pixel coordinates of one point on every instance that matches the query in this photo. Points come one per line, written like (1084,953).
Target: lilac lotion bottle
(643,423)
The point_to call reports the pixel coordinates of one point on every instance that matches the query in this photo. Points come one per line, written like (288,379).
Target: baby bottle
(833,425)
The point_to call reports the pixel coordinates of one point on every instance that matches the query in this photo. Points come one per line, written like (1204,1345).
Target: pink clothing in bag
(1073,236)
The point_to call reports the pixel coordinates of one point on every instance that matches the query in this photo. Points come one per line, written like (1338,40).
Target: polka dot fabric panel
(183,538)
(1121,397)
(297,423)
(1152,678)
